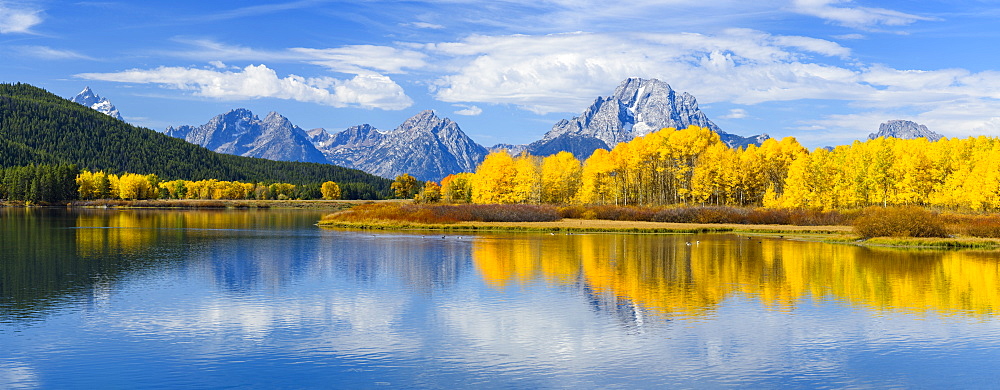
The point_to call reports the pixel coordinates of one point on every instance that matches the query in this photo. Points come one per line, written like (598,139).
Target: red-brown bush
(901,221)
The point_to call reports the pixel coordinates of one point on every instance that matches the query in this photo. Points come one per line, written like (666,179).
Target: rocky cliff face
(425,146)
(88,98)
(242,133)
(637,107)
(906,130)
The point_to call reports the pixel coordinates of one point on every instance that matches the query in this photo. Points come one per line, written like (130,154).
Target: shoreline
(195,204)
(830,234)
(593,225)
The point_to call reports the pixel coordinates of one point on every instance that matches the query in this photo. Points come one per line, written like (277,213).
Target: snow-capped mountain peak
(88,98)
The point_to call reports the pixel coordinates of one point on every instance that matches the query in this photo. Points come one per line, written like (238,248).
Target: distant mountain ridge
(430,148)
(88,98)
(242,133)
(905,129)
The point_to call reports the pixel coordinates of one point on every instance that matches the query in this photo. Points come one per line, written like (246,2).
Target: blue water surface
(266,299)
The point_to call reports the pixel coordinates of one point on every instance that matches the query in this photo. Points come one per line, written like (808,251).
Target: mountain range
(430,147)
(904,129)
(242,133)
(88,98)
(425,146)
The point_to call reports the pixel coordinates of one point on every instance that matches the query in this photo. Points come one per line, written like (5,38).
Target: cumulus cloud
(843,13)
(18,19)
(736,113)
(468,110)
(364,90)
(563,72)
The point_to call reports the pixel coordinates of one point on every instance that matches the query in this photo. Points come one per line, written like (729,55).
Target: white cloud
(468,110)
(18,20)
(736,113)
(48,53)
(358,59)
(430,26)
(849,36)
(564,72)
(350,59)
(366,91)
(854,16)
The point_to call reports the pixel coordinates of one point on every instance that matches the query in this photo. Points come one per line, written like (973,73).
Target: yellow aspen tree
(133,186)
(431,193)
(685,148)
(751,177)
(248,190)
(457,188)
(112,186)
(405,186)
(494,179)
(708,182)
(797,193)
(330,190)
(86,186)
(527,180)
(176,189)
(595,178)
(779,155)
(560,178)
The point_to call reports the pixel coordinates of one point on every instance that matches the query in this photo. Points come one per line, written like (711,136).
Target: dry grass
(443,214)
(708,214)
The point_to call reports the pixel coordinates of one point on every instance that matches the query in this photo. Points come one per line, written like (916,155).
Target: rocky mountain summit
(425,146)
(88,98)
(242,133)
(904,129)
(637,107)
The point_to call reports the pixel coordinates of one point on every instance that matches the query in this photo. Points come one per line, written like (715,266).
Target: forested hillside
(37,127)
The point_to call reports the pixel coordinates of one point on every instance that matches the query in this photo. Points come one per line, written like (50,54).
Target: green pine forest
(40,128)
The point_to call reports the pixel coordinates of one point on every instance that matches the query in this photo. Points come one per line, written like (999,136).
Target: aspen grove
(693,167)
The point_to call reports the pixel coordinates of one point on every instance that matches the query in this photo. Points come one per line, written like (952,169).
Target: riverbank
(831,234)
(331,205)
(591,225)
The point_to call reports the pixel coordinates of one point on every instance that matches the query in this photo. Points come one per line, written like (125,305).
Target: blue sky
(825,71)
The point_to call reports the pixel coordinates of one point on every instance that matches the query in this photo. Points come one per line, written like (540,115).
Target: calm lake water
(265,299)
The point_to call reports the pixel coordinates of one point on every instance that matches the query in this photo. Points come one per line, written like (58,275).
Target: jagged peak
(240,113)
(88,98)
(274,116)
(904,129)
(426,120)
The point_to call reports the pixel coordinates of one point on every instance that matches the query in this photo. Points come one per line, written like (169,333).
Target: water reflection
(690,276)
(267,299)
